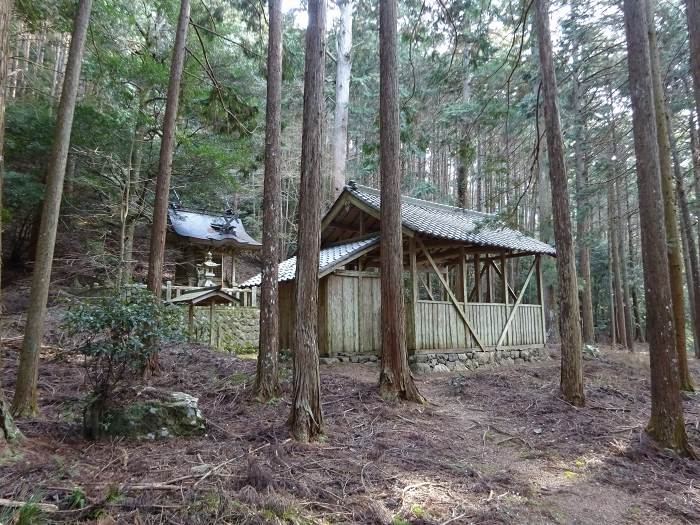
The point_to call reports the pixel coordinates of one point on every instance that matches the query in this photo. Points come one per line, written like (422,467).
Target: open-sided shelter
(473,288)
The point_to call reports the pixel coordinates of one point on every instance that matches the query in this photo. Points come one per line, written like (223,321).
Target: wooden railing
(246,296)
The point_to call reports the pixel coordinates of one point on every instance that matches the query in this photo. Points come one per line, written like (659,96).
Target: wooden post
(489,281)
(504,277)
(253,296)
(477,276)
(190,323)
(504,281)
(211,325)
(411,334)
(540,295)
(168,291)
(463,276)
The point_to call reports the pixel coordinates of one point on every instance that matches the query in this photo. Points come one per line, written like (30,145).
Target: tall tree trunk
(8,430)
(611,287)
(544,210)
(666,424)
(617,249)
(159,226)
(624,276)
(266,379)
(395,378)
(616,264)
(692,11)
(25,399)
(583,220)
(569,324)
(673,238)
(631,263)
(5,52)
(134,195)
(167,147)
(464,153)
(306,418)
(342,96)
(692,269)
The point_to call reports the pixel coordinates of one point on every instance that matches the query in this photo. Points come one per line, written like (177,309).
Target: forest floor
(491,446)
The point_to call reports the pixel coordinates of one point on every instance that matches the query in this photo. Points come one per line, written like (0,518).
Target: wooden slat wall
(438,325)
(354,314)
(350,319)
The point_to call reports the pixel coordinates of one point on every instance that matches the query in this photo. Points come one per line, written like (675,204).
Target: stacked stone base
(452,361)
(458,361)
(349,358)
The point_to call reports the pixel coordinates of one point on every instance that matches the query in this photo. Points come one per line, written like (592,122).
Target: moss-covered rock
(154,414)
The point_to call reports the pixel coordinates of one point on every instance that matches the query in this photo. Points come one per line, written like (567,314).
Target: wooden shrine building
(197,234)
(473,288)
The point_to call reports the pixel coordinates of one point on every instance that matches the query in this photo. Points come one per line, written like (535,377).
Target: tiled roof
(329,258)
(457,224)
(209,228)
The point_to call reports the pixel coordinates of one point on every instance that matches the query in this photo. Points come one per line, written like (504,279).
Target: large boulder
(154,414)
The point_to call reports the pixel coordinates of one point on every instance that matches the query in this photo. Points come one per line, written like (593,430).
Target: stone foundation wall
(235,327)
(427,362)
(348,358)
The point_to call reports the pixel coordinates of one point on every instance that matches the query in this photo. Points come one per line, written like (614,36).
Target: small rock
(441,368)
(421,368)
(483,358)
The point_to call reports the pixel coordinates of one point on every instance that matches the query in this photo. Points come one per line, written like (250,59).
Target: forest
(354,163)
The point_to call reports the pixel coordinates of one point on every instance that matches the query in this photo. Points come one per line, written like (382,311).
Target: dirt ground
(492,446)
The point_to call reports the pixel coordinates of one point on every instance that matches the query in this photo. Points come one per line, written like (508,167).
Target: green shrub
(117,334)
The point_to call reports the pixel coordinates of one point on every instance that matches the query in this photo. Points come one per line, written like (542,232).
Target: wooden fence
(438,325)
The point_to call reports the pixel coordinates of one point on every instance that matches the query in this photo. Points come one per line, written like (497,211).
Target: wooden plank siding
(350,319)
(438,325)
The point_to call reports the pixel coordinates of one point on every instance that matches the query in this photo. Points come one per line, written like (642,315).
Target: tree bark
(5,23)
(666,424)
(569,324)
(306,418)
(167,147)
(621,288)
(463,150)
(624,275)
(266,379)
(395,380)
(692,11)
(693,266)
(583,220)
(631,263)
(25,399)
(544,210)
(620,320)
(342,96)
(673,238)
(8,431)
(134,194)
